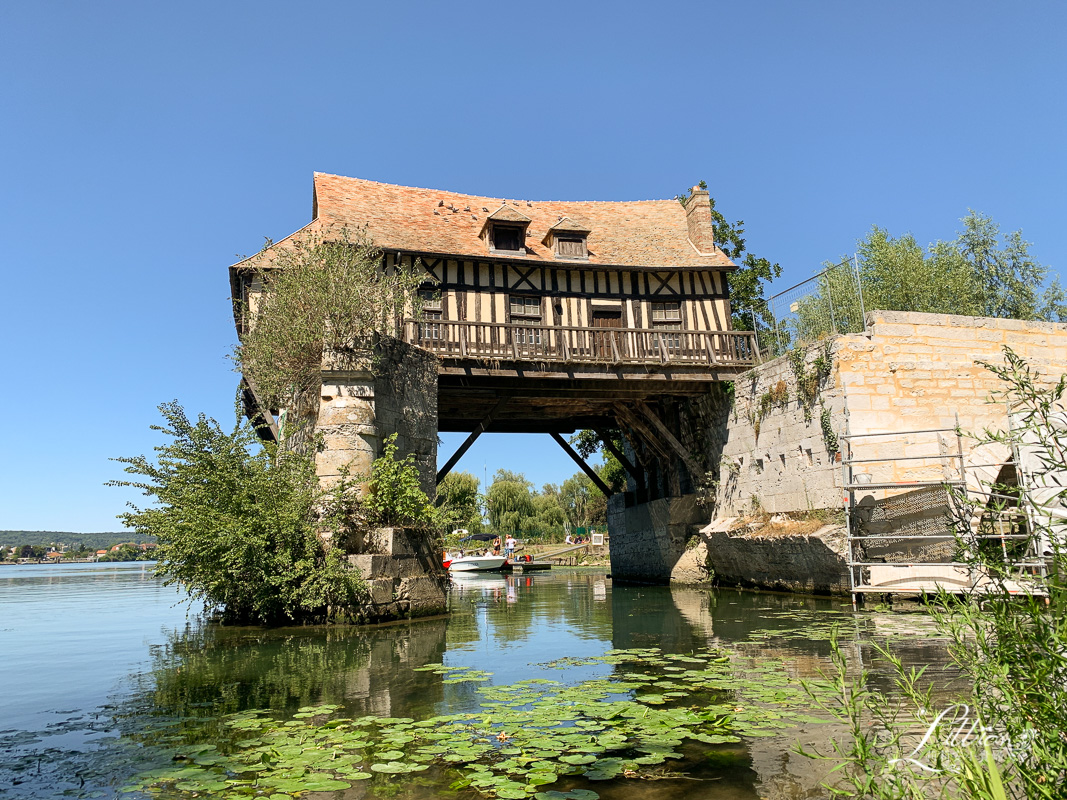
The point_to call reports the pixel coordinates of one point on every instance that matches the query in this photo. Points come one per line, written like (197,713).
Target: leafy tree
(237,525)
(976,274)
(747,302)
(509,501)
(460,501)
(320,295)
(577,494)
(549,515)
(1007,276)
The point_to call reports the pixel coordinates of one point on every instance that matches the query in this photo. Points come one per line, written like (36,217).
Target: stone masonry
(363,399)
(907,372)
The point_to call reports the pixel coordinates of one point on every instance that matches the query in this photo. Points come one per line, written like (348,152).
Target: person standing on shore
(509,546)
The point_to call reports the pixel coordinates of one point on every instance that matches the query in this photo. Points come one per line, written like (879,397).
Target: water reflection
(510,625)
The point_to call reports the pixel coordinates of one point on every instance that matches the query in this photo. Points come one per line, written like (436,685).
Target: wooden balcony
(730,351)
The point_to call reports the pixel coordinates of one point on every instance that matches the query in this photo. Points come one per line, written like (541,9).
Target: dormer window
(506,231)
(568,239)
(571,247)
(508,238)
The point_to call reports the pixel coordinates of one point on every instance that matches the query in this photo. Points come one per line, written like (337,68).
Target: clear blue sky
(145,145)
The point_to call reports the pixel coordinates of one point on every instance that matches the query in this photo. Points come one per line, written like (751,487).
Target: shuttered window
(571,247)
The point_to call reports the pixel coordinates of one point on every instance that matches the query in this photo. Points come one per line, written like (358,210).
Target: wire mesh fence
(825,304)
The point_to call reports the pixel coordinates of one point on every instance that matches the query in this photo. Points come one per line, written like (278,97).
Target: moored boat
(476,564)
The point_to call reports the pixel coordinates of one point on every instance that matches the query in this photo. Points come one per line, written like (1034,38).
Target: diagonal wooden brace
(635,473)
(643,430)
(696,472)
(483,426)
(603,487)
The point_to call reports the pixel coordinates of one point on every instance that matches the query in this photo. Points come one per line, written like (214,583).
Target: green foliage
(828,435)
(979,273)
(577,495)
(459,501)
(612,472)
(320,296)
(395,496)
(236,524)
(509,501)
(128,552)
(747,284)
(523,738)
(810,379)
(513,505)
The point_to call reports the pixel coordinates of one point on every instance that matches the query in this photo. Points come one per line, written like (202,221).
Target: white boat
(476,564)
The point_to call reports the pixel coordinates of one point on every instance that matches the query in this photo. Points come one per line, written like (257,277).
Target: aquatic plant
(525,736)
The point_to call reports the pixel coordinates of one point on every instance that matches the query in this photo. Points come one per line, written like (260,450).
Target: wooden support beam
(264,412)
(463,448)
(635,473)
(642,429)
(588,470)
(696,472)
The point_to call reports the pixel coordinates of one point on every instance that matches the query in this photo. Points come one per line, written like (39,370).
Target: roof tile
(644,233)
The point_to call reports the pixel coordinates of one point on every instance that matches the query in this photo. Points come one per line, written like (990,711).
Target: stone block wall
(404,575)
(814,564)
(368,397)
(917,371)
(908,372)
(776,455)
(364,398)
(648,540)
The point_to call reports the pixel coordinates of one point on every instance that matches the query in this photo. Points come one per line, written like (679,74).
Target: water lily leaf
(578,758)
(541,778)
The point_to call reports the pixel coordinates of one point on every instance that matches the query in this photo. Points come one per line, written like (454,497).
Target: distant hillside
(95,541)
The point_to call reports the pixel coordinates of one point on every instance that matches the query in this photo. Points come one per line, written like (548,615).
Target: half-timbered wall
(480,291)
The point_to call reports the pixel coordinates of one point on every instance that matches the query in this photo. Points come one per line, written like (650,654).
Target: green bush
(237,524)
(395,496)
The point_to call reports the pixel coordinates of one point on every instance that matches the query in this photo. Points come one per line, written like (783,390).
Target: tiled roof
(644,233)
(568,224)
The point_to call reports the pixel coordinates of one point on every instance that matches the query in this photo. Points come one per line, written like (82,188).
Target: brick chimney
(698,220)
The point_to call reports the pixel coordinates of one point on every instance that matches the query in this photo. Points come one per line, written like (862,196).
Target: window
(526,311)
(431,327)
(431,300)
(571,247)
(508,238)
(668,317)
(666,312)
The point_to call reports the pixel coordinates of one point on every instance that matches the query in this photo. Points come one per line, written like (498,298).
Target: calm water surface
(92,656)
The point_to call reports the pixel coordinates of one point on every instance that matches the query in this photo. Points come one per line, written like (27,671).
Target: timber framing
(610,332)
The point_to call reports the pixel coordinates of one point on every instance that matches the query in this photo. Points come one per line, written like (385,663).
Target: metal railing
(827,303)
(518,342)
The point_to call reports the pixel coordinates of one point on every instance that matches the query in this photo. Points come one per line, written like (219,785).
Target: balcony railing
(517,342)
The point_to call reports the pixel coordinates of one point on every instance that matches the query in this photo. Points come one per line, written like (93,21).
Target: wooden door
(606,318)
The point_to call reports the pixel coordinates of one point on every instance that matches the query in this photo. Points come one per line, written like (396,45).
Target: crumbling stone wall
(366,397)
(766,446)
(908,372)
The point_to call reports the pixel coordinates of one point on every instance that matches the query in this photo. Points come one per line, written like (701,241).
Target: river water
(96,659)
